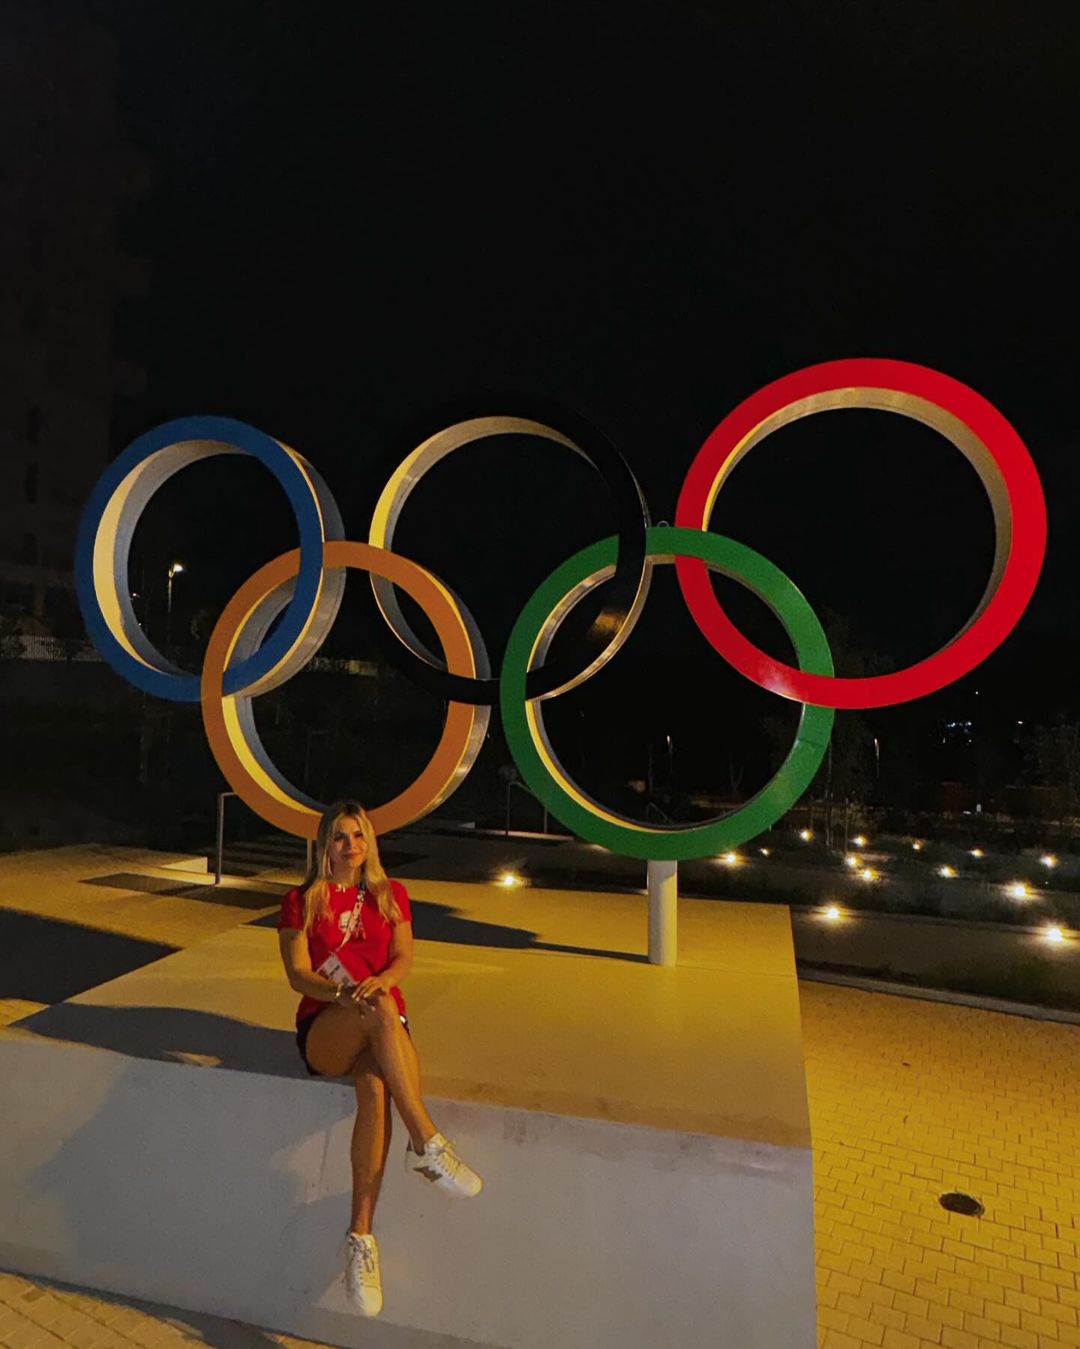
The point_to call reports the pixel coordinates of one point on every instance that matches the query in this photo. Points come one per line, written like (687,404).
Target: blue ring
(184,688)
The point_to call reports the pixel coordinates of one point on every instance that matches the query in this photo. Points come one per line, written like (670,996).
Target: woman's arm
(401,959)
(297,961)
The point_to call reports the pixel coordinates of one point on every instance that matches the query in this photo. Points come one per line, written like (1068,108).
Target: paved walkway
(38,1315)
(908,1100)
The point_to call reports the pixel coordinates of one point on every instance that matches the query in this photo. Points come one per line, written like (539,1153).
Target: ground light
(1018,890)
(851,860)
(1048,860)
(832,913)
(730,859)
(918,845)
(509,879)
(948,872)
(806,835)
(868,874)
(860,841)
(1053,934)
(764,851)
(977,852)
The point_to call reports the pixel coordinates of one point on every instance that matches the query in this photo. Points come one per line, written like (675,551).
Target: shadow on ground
(172,1034)
(45,960)
(444,923)
(233,896)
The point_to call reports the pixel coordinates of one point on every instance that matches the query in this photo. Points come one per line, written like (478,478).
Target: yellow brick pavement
(908,1100)
(36,1314)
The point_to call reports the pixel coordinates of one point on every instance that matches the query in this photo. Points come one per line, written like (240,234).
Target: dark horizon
(360,221)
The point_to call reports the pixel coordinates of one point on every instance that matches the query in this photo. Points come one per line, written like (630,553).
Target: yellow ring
(229,723)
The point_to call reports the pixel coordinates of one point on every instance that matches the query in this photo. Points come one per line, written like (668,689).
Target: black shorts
(303,1029)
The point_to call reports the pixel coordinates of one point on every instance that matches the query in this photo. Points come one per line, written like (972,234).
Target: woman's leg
(338,1044)
(337,1038)
(412,1063)
(393,1051)
(370,1140)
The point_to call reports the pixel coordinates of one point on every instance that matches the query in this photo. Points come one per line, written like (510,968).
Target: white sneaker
(442,1167)
(363,1285)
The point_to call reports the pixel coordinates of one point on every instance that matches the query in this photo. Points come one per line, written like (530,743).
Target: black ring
(624,592)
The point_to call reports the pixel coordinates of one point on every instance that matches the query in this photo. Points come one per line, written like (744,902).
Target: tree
(1052,759)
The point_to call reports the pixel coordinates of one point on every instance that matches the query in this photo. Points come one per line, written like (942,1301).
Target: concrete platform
(643,1133)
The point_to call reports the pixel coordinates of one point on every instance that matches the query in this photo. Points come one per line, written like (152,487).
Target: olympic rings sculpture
(303,589)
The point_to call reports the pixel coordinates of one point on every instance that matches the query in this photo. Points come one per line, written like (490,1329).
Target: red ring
(895,385)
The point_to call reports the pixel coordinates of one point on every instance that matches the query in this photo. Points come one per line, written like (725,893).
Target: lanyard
(355,925)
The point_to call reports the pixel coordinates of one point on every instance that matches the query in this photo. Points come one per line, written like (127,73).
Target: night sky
(367,219)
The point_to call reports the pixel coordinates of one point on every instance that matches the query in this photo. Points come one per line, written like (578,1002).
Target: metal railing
(521,786)
(219,847)
(221,798)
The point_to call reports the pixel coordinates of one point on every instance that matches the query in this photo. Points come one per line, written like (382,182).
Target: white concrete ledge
(224,1192)
(643,1133)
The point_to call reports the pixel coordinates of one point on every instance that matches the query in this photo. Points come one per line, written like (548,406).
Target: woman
(346,941)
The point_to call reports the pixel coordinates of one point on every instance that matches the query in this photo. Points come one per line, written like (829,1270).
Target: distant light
(947,872)
(977,852)
(859,840)
(1048,860)
(764,851)
(868,874)
(851,860)
(1018,890)
(832,913)
(176,569)
(917,845)
(1054,934)
(730,859)
(806,835)
(509,879)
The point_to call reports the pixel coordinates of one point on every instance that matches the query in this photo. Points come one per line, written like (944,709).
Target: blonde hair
(316,885)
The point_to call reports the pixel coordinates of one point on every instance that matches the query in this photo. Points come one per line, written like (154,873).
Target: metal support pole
(220,834)
(220,837)
(663,913)
(310,854)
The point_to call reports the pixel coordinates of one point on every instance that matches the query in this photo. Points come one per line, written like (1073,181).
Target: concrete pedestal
(642,1131)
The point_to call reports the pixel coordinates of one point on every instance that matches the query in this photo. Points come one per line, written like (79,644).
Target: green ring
(795,774)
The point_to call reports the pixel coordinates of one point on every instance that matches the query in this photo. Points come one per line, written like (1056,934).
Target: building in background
(66,176)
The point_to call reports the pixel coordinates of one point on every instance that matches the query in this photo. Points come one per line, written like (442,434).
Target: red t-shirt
(363,953)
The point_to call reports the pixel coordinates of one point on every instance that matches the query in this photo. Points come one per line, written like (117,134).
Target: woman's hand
(346,997)
(372,987)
